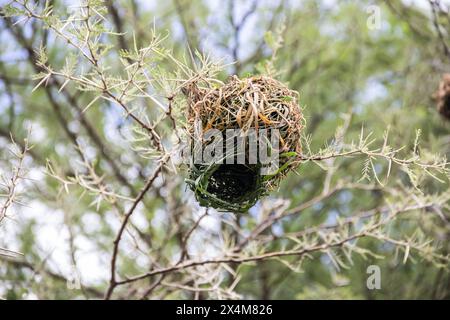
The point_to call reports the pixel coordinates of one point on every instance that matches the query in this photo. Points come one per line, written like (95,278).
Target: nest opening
(253,103)
(232,182)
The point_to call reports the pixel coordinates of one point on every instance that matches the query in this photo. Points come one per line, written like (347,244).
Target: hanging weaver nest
(255,103)
(442,96)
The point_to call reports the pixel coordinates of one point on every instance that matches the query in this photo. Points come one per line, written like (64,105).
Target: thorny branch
(113,281)
(10,184)
(9,193)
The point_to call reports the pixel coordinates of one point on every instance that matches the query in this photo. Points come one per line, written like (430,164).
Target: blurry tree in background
(93,202)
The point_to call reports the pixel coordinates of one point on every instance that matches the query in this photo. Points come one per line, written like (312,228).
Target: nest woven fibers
(253,104)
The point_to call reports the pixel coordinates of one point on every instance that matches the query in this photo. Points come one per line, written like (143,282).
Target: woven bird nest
(442,96)
(251,105)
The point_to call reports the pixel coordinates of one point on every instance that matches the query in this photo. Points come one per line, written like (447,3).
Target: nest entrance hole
(232,182)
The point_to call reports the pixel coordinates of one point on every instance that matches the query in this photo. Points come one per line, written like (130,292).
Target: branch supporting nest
(251,105)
